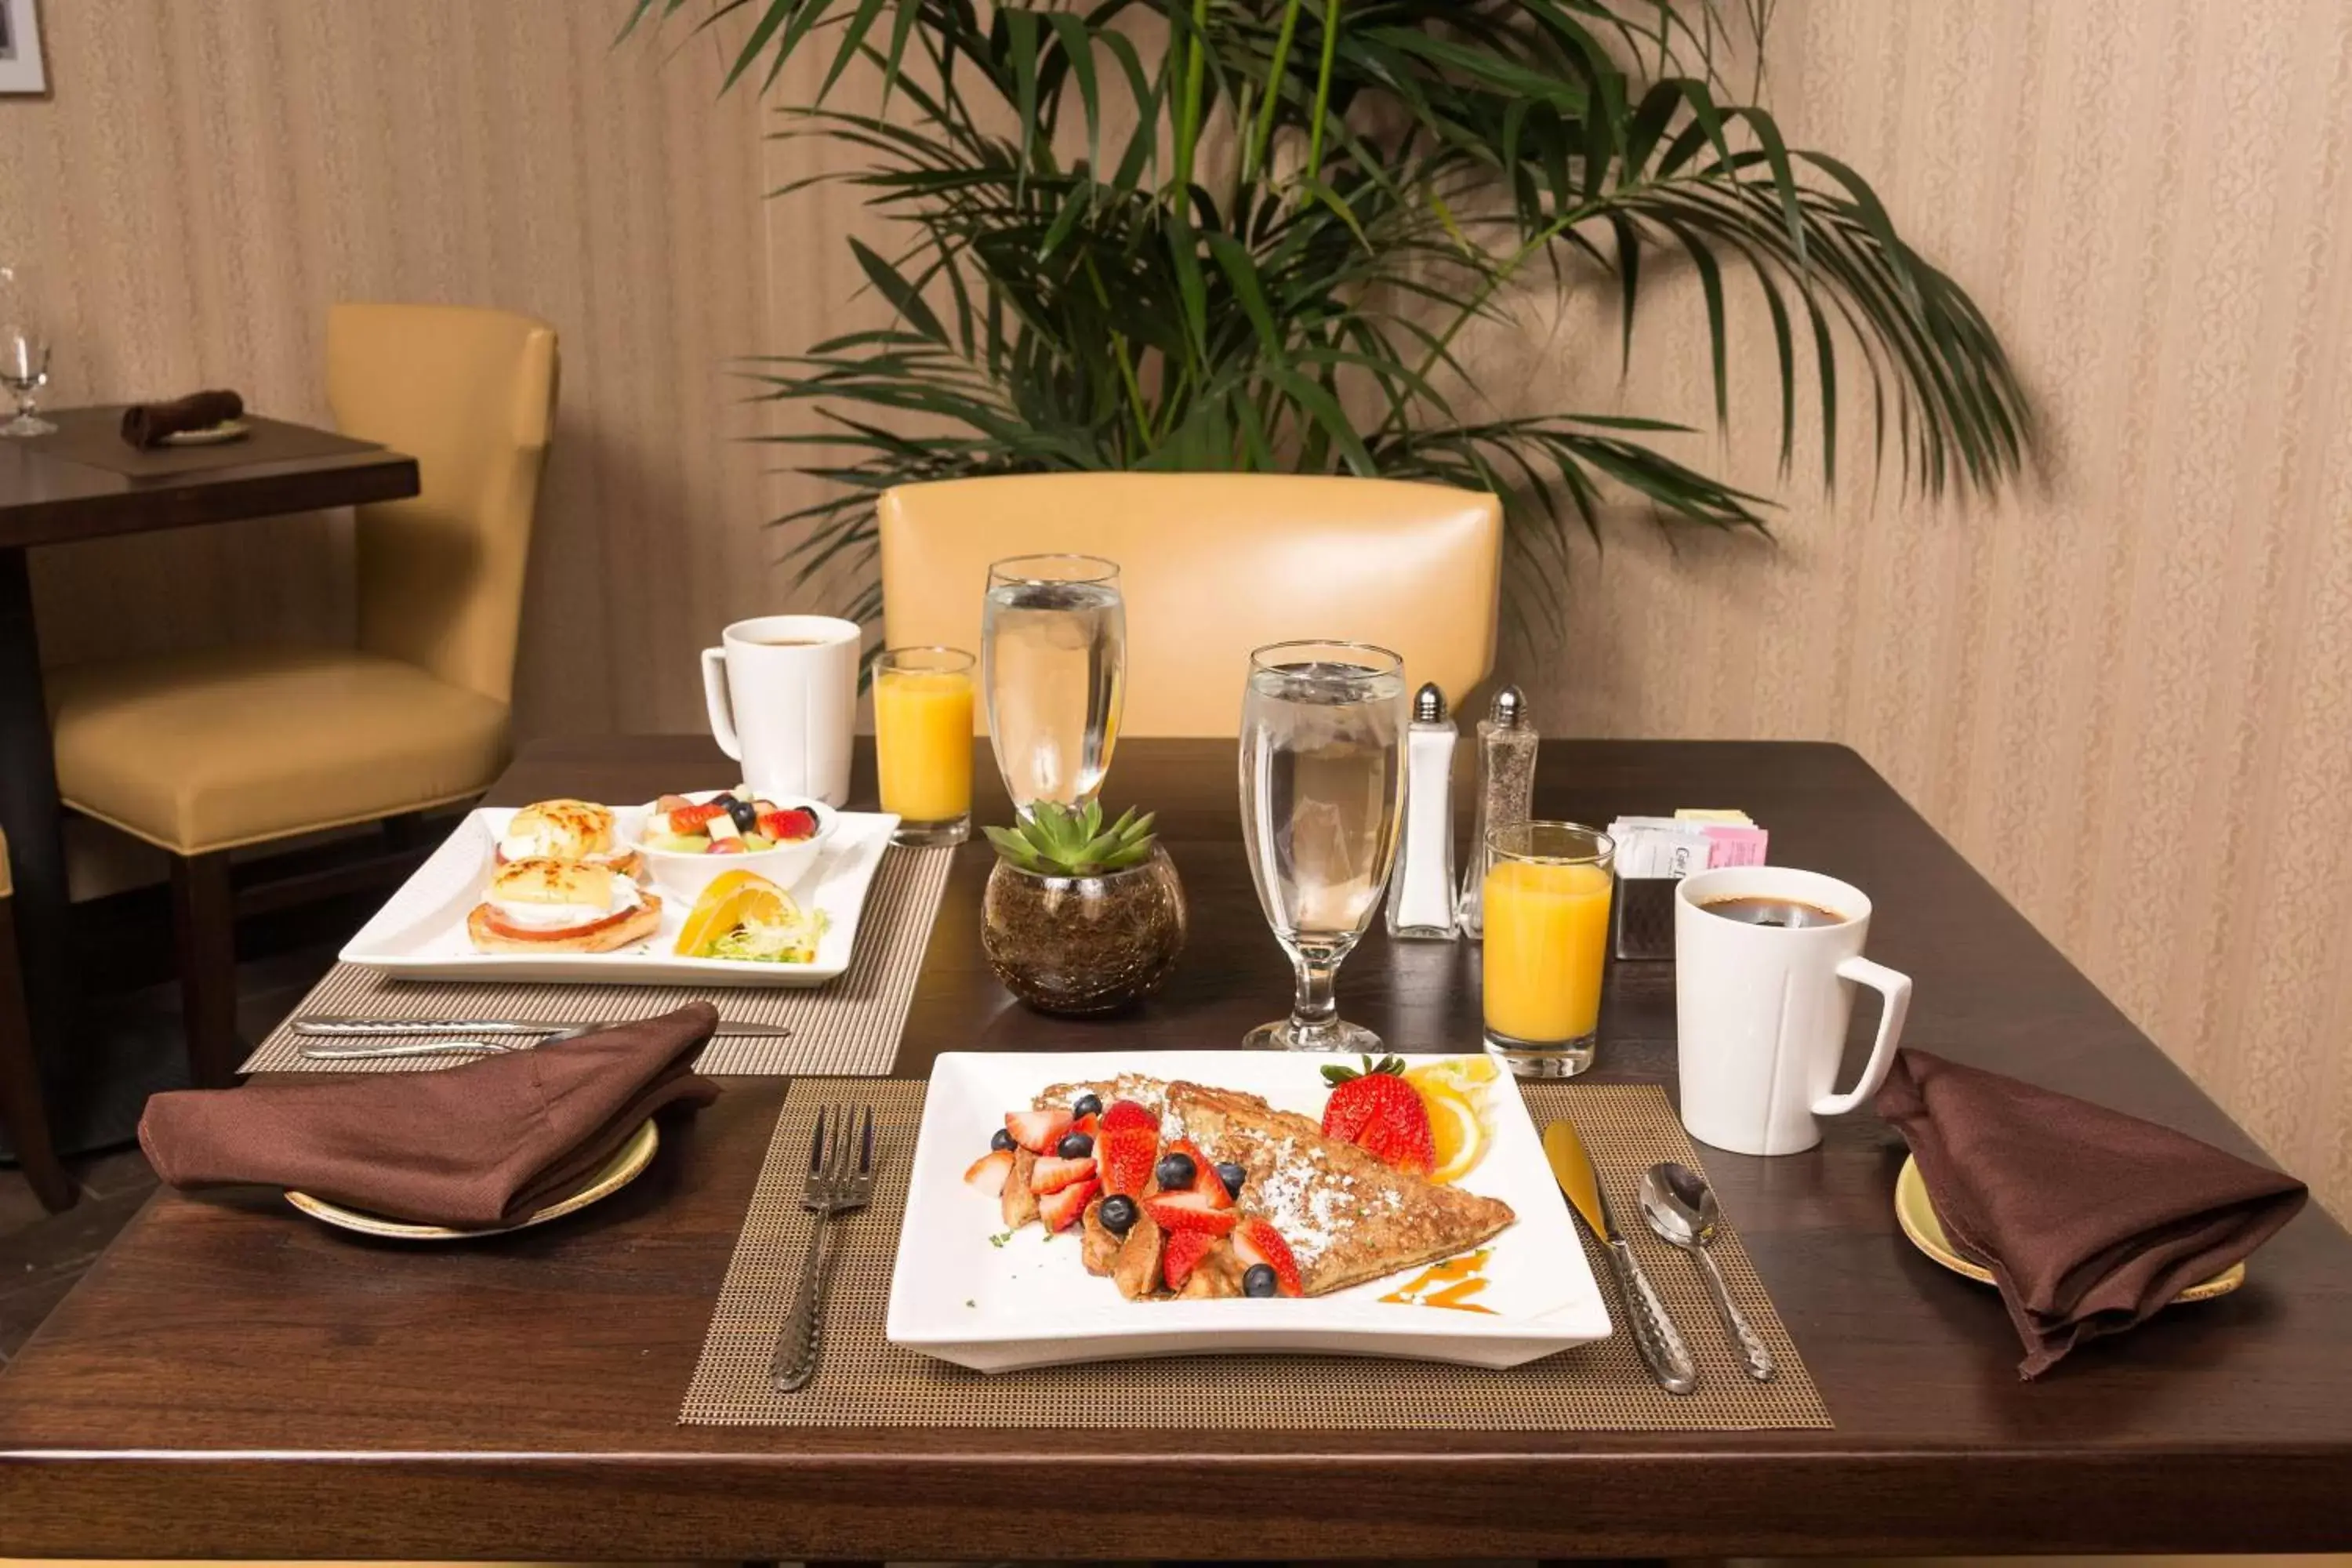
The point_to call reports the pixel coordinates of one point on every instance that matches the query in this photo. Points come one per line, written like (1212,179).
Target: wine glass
(1322,786)
(1052,652)
(24,371)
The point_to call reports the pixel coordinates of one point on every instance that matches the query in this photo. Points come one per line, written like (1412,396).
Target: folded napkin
(469,1147)
(146,424)
(2089,1219)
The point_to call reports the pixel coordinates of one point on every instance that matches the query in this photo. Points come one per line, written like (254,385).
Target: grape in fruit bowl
(688,839)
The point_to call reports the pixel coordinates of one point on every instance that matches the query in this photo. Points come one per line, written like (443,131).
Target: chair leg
(204,921)
(20,1082)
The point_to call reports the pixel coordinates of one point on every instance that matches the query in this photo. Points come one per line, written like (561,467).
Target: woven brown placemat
(865,1381)
(849,1026)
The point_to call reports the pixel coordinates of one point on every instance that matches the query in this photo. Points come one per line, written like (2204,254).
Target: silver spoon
(1681,1207)
(435,1048)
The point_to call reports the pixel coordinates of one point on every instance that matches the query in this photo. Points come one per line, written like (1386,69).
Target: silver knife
(1654,1333)
(338,1025)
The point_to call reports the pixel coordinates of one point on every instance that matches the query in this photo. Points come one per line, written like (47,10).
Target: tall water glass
(1322,786)
(1052,652)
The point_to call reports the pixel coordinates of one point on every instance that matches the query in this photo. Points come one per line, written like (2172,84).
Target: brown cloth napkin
(468,1147)
(2089,1219)
(146,424)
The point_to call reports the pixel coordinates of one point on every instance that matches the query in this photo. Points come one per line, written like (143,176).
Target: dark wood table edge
(896,1505)
(197,500)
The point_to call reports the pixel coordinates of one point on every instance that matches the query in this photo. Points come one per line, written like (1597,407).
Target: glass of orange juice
(922,742)
(1547,916)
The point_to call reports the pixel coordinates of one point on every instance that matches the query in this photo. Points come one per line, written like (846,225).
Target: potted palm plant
(1250,234)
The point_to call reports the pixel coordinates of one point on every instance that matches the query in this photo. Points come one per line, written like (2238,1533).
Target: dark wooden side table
(56,489)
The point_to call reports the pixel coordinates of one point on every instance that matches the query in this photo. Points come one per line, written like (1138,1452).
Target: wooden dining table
(233,1380)
(81,483)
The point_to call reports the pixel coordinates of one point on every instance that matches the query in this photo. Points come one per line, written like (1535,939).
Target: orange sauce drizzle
(1449,1284)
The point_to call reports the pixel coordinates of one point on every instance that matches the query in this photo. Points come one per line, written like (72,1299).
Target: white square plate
(956,1295)
(420,935)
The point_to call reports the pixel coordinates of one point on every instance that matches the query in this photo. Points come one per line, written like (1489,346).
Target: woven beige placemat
(863,1381)
(850,1025)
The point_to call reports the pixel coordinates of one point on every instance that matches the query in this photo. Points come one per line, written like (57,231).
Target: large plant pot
(1077,945)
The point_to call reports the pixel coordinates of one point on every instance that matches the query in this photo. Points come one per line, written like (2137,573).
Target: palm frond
(1273,267)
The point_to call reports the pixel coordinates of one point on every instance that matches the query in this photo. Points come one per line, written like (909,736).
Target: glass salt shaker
(1421,890)
(1506,784)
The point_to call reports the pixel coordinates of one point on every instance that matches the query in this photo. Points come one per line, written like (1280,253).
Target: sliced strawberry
(1037,1130)
(1205,1181)
(1256,1241)
(1185,1249)
(1089,1124)
(690,818)
(1061,1210)
(988,1172)
(1181,1211)
(785,826)
(1123,1113)
(1052,1175)
(1127,1155)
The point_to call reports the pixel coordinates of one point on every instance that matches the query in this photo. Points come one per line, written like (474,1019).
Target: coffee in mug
(1767,961)
(1758,911)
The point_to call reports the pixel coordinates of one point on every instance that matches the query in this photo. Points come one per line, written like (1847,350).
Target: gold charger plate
(1917,1217)
(210,436)
(627,1164)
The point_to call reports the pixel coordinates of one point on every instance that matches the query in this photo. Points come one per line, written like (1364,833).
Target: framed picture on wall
(20,49)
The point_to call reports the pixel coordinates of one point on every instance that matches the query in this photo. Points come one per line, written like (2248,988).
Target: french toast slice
(1347,1215)
(1148,1092)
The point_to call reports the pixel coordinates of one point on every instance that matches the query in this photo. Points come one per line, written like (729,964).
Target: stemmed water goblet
(1322,789)
(24,371)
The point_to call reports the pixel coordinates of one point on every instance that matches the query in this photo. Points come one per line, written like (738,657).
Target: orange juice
(922,743)
(1547,936)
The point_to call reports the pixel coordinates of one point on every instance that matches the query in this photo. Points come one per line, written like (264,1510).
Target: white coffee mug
(783,702)
(1760,1010)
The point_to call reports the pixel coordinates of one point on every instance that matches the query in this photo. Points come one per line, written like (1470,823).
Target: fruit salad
(733,822)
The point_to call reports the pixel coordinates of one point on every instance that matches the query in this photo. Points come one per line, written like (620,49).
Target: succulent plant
(1071,841)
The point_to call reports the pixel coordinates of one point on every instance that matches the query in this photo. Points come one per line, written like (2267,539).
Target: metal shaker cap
(1510,710)
(1429,704)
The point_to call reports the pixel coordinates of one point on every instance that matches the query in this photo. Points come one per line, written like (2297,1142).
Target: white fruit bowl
(683,875)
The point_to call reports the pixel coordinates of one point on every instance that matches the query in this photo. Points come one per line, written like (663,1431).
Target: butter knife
(1661,1343)
(336,1025)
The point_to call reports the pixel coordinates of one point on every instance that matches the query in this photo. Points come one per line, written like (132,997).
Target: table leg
(32,817)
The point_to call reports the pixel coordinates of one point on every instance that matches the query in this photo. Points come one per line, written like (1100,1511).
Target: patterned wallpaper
(2126,693)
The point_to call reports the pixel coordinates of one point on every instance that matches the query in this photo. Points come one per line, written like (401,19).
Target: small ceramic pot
(1077,945)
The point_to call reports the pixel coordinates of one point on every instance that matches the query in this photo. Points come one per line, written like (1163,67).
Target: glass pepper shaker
(1507,785)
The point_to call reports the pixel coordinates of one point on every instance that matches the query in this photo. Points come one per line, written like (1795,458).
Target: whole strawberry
(1380,1113)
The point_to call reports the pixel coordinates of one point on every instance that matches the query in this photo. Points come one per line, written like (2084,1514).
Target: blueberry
(1259,1280)
(1074,1146)
(1001,1139)
(1117,1214)
(746,816)
(1233,1175)
(1087,1105)
(1176,1172)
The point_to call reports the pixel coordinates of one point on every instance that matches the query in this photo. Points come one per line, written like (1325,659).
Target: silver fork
(840,1180)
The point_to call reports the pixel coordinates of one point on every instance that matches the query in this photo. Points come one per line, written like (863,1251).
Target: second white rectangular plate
(420,935)
(959,1296)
